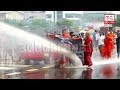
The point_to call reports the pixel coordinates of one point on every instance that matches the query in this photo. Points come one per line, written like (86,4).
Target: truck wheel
(27,62)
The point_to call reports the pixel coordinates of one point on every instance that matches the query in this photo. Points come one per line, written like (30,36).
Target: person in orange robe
(66,34)
(88,49)
(112,36)
(108,47)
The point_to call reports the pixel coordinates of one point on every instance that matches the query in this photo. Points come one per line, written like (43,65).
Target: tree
(64,23)
(118,22)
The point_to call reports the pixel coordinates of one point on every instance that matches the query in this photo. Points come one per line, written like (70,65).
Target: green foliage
(35,26)
(118,21)
(41,23)
(38,26)
(64,23)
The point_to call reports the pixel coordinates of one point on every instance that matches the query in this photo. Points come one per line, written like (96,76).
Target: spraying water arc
(40,41)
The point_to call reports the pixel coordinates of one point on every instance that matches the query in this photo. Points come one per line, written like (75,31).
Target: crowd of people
(104,42)
(82,38)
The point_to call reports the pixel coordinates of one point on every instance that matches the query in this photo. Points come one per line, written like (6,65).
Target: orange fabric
(107,48)
(112,36)
(107,71)
(66,35)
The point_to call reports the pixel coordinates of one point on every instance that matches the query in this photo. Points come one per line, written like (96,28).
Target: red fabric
(64,60)
(89,48)
(107,71)
(87,58)
(89,75)
(88,51)
(108,47)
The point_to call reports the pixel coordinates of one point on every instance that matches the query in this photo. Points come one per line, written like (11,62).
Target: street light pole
(54,15)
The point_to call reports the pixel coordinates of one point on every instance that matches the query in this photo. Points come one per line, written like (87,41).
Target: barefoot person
(88,49)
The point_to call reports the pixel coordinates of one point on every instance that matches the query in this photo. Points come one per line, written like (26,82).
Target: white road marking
(7,68)
(15,65)
(15,73)
(47,66)
(30,70)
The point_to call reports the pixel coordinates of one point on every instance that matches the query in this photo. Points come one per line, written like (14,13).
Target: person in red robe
(108,47)
(88,49)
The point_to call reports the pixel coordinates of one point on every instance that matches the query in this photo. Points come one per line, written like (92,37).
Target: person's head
(82,33)
(87,34)
(95,30)
(71,33)
(103,34)
(64,30)
(118,34)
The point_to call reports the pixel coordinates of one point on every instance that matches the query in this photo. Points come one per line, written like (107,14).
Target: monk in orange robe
(66,34)
(108,47)
(112,36)
(88,49)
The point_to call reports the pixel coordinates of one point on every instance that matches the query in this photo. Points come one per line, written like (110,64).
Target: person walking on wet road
(101,42)
(88,49)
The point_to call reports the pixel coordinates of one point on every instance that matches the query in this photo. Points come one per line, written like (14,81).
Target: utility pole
(54,16)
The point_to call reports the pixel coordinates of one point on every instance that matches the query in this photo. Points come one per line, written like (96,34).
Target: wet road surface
(102,69)
(106,71)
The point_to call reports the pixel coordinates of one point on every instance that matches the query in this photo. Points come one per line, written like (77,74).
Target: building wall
(35,14)
(50,16)
(39,15)
(62,14)
(15,15)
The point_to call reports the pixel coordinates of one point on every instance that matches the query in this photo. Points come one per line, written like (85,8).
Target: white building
(34,15)
(72,15)
(22,15)
(57,15)
(50,15)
